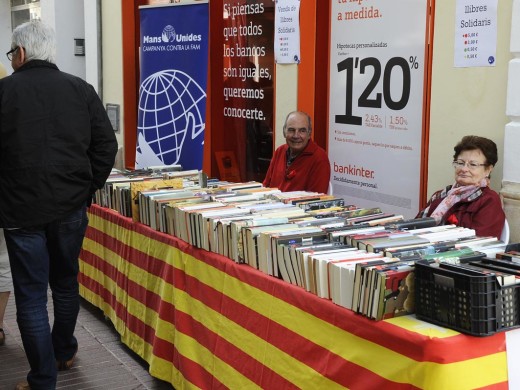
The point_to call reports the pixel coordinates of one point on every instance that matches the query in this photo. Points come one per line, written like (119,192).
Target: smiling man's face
(297,132)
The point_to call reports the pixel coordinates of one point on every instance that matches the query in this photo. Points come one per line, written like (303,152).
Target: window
(24,11)
(15,3)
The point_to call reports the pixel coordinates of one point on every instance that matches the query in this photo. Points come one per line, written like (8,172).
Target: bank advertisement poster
(377,62)
(173,80)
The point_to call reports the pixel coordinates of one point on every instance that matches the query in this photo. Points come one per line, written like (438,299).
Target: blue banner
(172,92)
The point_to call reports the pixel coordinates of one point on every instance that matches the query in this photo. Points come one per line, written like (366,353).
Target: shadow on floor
(103,362)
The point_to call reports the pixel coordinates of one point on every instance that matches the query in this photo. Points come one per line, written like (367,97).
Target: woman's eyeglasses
(472,165)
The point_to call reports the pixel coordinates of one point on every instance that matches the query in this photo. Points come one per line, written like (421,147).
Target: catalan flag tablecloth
(202,321)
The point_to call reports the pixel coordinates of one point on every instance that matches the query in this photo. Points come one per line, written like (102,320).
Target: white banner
(376,102)
(287,32)
(476,33)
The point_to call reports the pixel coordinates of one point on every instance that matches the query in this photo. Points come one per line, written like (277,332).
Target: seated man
(300,164)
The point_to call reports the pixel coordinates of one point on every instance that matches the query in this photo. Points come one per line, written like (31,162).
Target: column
(511,178)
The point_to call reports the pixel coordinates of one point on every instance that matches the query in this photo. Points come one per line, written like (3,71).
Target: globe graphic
(168,34)
(171,114)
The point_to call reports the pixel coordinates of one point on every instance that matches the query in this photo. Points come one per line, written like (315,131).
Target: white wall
(70,24)
(92,43)
(112,58)
(286,98)
(465,100)
(66,16)
(5,33)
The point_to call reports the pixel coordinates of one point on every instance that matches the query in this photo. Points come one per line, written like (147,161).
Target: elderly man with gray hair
(57,147)
(300,164)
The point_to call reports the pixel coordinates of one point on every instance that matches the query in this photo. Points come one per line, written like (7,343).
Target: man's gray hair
(37,39)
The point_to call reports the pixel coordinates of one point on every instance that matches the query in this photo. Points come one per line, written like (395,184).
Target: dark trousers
(43,256)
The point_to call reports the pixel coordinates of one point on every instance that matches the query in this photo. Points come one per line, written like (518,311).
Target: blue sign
(172,92)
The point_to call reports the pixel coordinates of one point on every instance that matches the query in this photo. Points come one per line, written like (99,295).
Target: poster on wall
(476,33)
(248,75)
(287,32)
(173,80)
(377,55)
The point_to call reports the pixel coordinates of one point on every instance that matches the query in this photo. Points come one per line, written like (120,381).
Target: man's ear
(21,50)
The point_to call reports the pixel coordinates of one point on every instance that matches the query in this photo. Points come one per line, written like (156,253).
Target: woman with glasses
(469,202)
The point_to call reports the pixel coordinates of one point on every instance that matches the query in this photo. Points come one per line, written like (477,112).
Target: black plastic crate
(475,305)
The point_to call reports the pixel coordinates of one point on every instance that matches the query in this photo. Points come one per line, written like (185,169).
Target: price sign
(476,33)
(351,64)
(376,102)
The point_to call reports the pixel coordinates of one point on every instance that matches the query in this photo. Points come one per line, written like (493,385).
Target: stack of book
(382,287)
(229,222)
(369,269)
(122,188)
(360,258)
(509,254)
(262,248)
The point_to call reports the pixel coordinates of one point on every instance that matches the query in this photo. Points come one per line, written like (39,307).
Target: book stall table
(201,320)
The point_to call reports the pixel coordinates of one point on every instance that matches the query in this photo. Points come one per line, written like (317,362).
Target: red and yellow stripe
(202,321)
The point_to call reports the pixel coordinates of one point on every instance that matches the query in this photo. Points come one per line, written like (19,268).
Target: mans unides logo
(169,35)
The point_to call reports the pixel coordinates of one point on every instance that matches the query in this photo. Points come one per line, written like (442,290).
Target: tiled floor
(103,362)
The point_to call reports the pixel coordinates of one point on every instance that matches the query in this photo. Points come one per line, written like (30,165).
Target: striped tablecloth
(202,321)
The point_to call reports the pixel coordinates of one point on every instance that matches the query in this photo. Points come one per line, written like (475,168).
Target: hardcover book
(324,203)
(341,277)
(138,186)
(295,253)
(308,266)
(320,265)
(359,281)
(372,241)
(345,233)
(412,224)
(237,244)
(420,250)
(393,292)
(268,243)
(253,256)
(389,242)
(514,256)
(359,212)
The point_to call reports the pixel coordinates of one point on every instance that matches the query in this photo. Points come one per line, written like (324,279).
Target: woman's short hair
(474,142)
(37,39)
